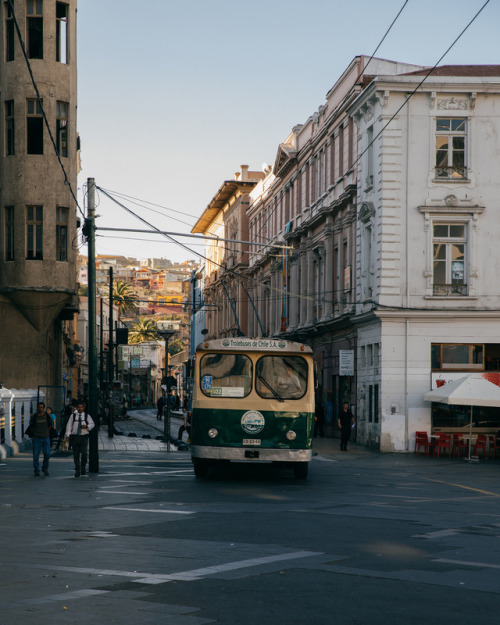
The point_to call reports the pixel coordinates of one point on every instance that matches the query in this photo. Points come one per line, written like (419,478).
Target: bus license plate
(251,441)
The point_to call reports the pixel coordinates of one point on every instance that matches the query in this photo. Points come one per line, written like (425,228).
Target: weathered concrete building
(38,180)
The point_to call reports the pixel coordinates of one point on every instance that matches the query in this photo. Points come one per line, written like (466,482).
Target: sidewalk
(330,447)
(146,417)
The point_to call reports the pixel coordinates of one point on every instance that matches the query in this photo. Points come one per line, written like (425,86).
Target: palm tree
(125,297)
(143,331)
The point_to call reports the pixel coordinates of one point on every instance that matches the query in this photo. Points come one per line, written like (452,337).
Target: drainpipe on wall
(407,270)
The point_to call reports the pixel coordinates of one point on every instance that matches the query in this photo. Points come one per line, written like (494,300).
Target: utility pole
(89,231)
(111,369)
(101,364)
(166,334)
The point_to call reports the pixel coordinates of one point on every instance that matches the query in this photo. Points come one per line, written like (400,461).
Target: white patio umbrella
(471,390)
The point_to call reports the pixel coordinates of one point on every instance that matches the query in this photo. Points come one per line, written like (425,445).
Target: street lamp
(166,331)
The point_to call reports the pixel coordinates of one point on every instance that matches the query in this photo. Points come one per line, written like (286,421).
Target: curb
(6,451)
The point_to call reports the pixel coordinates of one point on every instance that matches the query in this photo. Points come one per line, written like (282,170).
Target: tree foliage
(125,297)
(143,331)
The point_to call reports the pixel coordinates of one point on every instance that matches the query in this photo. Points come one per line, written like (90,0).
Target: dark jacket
(42,424)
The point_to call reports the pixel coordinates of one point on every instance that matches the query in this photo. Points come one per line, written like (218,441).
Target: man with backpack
(77,431)
(39,430)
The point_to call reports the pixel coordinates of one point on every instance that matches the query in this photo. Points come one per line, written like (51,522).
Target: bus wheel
(200,467)
(301,469)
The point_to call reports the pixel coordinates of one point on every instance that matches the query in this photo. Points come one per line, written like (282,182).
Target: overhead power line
(203,237)
(208,260)
(410,95)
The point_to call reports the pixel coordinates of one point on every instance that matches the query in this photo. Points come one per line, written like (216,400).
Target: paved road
(368,538)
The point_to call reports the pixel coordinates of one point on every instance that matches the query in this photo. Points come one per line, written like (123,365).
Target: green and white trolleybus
(253,401)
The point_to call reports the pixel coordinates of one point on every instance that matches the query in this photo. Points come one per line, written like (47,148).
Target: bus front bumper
(244,454)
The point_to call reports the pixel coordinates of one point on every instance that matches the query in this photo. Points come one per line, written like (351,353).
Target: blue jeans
(41,445)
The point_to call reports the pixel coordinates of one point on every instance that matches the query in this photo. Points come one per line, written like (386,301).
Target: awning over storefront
(471,390)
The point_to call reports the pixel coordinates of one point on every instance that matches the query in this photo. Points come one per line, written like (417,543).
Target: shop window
(450,148)
(34,29)
(461,357)
(446,417)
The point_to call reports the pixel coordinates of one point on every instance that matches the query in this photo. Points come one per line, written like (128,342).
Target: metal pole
(111,424)
(101,340)
(92,407)
(166,419)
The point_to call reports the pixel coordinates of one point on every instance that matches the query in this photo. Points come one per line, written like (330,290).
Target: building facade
(38,179)
(308,203)
(225,223)
(426,246)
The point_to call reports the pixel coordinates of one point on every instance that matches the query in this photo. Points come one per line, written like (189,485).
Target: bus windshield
(281,377)
(226,375)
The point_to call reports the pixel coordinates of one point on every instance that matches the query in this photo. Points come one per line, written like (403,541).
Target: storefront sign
(346,362)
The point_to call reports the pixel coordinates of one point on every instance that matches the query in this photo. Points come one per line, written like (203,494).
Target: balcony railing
(450,289)
(451,173)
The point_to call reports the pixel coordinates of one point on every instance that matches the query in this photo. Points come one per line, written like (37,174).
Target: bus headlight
(291,435)
(212,432)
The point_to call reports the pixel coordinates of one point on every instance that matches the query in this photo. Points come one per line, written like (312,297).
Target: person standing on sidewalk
(41,426)
(77,432)
(346,422)
(186,426)
(160,404)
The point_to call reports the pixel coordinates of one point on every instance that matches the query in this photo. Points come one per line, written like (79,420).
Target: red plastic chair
(422,440)
(459,444)
(444,442)
(494,445)
(480,444)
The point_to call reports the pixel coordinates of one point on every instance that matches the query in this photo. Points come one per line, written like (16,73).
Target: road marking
(185,576)
(119,492)
(439,533)
(149,510)
(196,574)
(65,596)
(477,490)
(482,565)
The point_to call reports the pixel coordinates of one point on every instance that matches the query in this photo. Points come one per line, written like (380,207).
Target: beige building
(38,213)
(225,217)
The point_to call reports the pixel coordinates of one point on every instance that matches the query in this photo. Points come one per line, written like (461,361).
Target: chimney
(244,172)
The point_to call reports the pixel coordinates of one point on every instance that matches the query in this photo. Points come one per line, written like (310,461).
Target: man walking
(160,404)
(346,422)
(41,426)
(77,431)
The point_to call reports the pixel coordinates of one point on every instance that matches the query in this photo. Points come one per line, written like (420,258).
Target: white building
(428,302)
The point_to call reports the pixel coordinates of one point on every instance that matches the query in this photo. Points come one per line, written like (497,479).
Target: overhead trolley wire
(361,72)
(410,95)
(185,247)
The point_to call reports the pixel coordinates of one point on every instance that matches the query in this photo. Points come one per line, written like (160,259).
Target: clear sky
(174,95)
